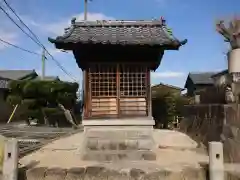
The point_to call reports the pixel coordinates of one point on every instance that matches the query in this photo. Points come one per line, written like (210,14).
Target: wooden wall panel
(104,106)
(133,106)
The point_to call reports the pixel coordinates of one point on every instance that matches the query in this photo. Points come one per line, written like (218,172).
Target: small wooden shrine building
(117,58)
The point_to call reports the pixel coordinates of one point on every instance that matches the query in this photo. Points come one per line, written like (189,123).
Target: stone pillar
(234,70)
(10,162)
(216,166)
(233,61)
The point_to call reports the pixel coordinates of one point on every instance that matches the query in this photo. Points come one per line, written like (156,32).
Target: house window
(3,84)
(197,99)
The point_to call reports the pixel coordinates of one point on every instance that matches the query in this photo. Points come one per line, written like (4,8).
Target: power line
(18,47)
(6,13)
(18,17)
(36,40)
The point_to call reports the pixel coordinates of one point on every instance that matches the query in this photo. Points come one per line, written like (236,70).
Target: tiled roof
(220,73)
(15,74)
(167,85)
(202,78)
(48,78)
(7,75)
(119,32)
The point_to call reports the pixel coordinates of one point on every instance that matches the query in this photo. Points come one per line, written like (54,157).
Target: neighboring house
(198,81)
(8,75)
(222,78)
(5,77)
(166,87)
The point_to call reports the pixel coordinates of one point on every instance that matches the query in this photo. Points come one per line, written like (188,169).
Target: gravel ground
(33,137)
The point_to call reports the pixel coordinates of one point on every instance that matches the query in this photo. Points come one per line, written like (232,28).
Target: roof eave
(220,73)
(186,82)
(60,44)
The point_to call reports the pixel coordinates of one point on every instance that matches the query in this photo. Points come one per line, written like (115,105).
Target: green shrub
(42,97)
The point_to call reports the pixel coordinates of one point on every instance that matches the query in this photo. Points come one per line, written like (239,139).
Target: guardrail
(217,167)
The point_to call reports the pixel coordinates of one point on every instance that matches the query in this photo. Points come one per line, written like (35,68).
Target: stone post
(10,162)
(216,166)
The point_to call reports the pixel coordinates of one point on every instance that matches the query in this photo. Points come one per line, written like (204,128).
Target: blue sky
(190,19)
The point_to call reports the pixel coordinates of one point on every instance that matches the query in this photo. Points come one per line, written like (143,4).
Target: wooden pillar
(149,94)
(118,89)
(85,92)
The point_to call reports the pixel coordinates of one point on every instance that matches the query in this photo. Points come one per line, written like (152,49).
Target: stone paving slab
(103,173)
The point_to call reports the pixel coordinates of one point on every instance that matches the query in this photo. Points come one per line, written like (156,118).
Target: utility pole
(85,9)
(43,63)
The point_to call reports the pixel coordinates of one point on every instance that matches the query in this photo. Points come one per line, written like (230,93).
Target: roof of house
(139,32)
(167,85)
(15,74)
(223,72)
(48,78)
(6,75)
(200,78)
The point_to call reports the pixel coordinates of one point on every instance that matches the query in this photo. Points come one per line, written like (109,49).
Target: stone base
(119,142)
(103,173)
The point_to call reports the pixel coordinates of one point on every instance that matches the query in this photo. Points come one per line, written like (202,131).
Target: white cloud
(10,37)
(57,28)
(167,74)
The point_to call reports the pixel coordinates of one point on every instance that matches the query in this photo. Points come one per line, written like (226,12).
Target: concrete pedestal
(116,139)
(233,61)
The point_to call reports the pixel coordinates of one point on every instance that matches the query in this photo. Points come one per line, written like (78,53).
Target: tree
(166,106)
(47,101)
(231,33)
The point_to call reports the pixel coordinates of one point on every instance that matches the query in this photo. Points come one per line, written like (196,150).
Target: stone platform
(177,157)
(103,173)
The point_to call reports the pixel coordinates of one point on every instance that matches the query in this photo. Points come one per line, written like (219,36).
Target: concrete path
(174,150)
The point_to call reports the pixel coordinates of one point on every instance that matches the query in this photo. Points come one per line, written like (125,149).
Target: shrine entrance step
(118,143)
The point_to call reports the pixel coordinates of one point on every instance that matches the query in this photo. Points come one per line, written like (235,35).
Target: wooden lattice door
(103,90)
(117,90)
(133,90)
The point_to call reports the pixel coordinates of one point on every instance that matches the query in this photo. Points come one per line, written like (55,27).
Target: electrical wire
(18,17)
(6,13)
(18,47)
(36,40)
